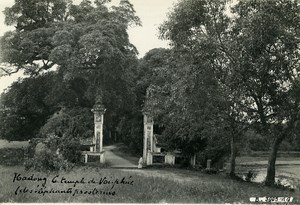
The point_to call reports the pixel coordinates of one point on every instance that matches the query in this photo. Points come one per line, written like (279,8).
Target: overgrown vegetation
(47,161)
(53,153)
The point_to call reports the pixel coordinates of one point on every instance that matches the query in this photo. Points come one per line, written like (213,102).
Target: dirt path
(116,161)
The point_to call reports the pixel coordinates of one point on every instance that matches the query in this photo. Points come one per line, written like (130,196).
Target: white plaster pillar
(148,139)
(145,140)
(98,131)
(98,111)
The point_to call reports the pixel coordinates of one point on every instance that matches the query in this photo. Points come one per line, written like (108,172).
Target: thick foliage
(89,45)
(246,65)
(54,154)
(24,109)
(77,122)
(29,103)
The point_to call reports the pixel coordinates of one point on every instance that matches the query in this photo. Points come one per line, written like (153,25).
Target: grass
(13,144)
(149,186)
(12,156)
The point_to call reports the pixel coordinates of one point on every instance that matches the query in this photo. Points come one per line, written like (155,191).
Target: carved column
(148,139)
(98,111)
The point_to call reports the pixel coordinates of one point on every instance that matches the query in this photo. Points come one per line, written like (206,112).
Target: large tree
(31,40)
(251,55)
(56,32)
(199,32)
(268,36)
(24,108)
(179,102)
(87,43)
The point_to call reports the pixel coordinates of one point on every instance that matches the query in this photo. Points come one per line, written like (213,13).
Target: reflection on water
(260,176)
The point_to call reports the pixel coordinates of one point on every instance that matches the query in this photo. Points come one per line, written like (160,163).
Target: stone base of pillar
(102,157)
(149,158)
(85,158)
(193,161)
(170,159)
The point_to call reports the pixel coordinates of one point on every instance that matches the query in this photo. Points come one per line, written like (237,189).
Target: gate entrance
(105,154)
(152,153)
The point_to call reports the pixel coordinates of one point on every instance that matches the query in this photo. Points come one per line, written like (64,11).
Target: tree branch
(8,72)
(46,66)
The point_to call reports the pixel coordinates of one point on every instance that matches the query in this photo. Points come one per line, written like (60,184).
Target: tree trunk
(232,156)
(109,136)
(115,134)
(270,178)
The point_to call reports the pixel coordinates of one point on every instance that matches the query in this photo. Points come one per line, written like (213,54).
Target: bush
(250,176)
(279,184)
(47,161)
(70,148)
(75,121)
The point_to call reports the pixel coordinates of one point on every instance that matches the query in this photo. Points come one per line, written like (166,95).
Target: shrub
(70,148)
(47,161)
(279,184)
(250,176)
(75,121)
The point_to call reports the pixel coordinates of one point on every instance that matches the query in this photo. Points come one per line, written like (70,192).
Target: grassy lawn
(148,186)
(7,159)
(13,144)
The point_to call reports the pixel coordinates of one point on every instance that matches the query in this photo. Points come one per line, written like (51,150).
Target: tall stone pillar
(148,139)
(98,111)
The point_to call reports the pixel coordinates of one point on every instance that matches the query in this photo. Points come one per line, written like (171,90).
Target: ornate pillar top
(148,119)
(99,107)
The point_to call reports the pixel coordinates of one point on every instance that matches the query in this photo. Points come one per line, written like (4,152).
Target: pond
(286,175)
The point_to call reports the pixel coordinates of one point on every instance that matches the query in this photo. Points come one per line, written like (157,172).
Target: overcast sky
(151,12)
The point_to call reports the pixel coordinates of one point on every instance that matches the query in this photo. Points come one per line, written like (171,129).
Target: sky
(151,12)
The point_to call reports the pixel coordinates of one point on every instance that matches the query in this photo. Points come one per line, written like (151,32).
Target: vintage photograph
(139,101)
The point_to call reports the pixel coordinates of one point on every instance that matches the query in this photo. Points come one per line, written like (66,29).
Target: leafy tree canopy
(56,32)
(250,56)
